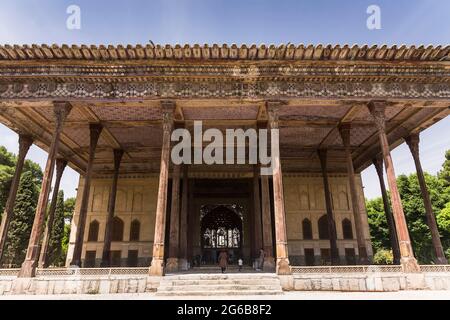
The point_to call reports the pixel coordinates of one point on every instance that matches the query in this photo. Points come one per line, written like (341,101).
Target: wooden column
(191,222)
(282,264)
(257,223)
(334,252)
(413,144)
(106,255)
(95,131)
(25,142)
(157,266)
(344,130)
(44,256)
(378,163)
(183,262)
(269,261)
(407,260)
(172,264)
(60,110)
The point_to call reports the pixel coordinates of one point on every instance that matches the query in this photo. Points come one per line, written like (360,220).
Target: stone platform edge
(377,282)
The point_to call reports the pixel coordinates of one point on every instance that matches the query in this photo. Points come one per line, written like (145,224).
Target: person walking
(240,264)
(261,259)
(223,261)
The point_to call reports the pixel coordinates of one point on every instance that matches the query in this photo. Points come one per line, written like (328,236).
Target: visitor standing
(223,261)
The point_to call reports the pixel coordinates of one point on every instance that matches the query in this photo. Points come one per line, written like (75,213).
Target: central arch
(221,229)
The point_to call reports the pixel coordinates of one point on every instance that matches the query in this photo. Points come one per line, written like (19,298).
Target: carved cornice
(223,89)
(224,52)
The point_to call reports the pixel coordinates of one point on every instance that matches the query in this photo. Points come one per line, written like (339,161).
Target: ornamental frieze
(214,89)
(235,71)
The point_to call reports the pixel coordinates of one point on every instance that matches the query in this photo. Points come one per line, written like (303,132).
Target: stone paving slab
(399,295)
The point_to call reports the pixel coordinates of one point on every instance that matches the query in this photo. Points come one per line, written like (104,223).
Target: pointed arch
(307,229)
(117,229)
(135,229)
(347,230)
(323,228)
(93,230)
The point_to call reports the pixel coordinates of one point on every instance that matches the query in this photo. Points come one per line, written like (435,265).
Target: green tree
(415,211)
(69,208)
(379,230)
(22,221)
(57,234)
(444,174)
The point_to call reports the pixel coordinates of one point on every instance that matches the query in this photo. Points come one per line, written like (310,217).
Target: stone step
(208,276)
(209,288)
(219,293)
(221,282)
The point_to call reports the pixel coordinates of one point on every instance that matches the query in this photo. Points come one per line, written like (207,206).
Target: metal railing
(9,272)
(346,269)
(54,272)
(361,269)
(435,268)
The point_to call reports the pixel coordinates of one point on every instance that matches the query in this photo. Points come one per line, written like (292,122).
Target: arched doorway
(221,229)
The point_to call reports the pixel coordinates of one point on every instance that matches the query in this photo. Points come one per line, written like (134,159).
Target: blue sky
(235,21)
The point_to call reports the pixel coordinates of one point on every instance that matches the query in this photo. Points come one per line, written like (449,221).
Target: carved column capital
(25,141)
(377,110)
(60,166)
(118,153)
(413,143)
(273,108)
(322,153)
(61,110)
(378,163)
(95,131)
(168,109)
(344,131)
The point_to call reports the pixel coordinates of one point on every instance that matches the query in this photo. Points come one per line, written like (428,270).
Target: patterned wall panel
(125,113)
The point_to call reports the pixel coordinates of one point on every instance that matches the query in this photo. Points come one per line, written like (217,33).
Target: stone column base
(441,260)
(172,265)
(283,267)
(409,265)
(183,264)
(28,269)
(269,264)
(157,267)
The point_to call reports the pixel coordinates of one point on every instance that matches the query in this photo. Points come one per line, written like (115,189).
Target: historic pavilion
(108,113)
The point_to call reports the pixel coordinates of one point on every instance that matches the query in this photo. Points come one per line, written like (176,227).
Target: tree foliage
(414,209)
(57,234)
(22,221)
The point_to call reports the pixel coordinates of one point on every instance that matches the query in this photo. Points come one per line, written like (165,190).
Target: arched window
(93,231)
(347,229)
(117,229)
(135,229)
(307,229)
(323,228)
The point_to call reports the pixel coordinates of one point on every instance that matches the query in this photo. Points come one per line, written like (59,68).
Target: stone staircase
(206,284)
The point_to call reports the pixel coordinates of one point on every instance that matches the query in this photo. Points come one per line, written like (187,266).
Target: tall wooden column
(344,130)
(413,144)
(172,264)
(44,256)
(269,261)
(282,265)
(183,262)
(378,163)
(25,141)
(257,224)
(106,255)
(60,110)
(407,260)
(334,252)
(95,131)
(157,266)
